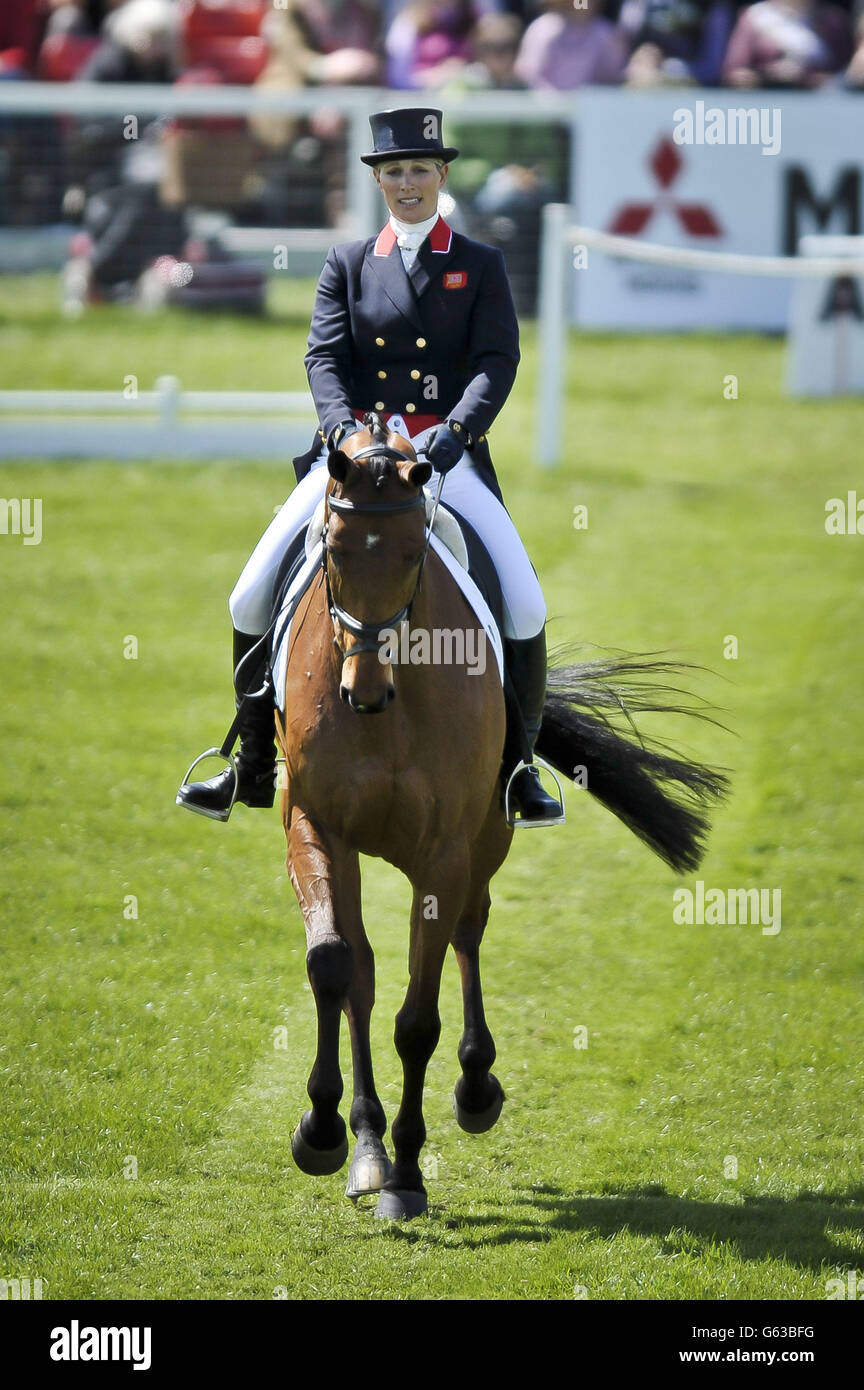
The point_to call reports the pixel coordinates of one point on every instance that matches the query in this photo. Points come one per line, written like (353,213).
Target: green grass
(152,1037)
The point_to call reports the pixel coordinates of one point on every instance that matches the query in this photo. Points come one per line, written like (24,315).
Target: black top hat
(408,133)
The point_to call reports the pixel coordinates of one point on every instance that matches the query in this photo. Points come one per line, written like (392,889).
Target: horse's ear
(339,465)
(418,474)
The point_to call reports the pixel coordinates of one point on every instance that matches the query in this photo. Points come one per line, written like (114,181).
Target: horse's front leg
(418,1027)
(478,1097)
(321,872)
(370,1166)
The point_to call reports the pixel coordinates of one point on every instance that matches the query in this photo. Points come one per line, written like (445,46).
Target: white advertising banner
(716,170)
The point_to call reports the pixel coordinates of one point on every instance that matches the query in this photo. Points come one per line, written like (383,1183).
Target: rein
(368,633)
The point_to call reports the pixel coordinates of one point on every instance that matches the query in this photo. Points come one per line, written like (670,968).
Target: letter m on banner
(842,206)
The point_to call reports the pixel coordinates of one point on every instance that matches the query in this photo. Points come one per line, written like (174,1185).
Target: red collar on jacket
(439,238)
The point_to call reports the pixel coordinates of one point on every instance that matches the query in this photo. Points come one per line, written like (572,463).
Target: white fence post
(552,336)
(168,391)
(362,193)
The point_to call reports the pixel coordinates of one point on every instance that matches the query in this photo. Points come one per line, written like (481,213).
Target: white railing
(725,262)
(560,239)
(165,423)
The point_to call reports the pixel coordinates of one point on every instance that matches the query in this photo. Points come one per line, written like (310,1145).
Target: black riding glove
(340,433)
(446,447)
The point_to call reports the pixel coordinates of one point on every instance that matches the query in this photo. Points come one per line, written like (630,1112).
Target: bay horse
(419,786)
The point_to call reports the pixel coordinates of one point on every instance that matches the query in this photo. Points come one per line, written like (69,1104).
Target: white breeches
(464,490)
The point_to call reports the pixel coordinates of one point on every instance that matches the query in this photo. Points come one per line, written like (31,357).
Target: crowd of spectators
(132,197)
(430,44)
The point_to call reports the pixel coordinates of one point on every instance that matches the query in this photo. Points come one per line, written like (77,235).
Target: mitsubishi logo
(666,164)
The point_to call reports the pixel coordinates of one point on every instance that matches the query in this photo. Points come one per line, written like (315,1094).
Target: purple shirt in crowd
(819,39)
(559,53)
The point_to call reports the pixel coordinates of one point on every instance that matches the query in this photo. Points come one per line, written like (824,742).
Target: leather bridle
(369,633)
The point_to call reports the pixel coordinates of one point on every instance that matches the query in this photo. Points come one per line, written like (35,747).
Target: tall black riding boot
(256,761)
(526,666)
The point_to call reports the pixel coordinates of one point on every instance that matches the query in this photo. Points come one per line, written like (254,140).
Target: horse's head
(375,545)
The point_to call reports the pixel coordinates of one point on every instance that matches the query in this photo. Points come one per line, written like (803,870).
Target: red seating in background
(21,25)
(224,35)
(13,60)
(221,37)
(238,61)
(62,56)
(232,19)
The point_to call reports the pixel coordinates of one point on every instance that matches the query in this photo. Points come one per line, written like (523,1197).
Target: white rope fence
(561,238)
(724,261)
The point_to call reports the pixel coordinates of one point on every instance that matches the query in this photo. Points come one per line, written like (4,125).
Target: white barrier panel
(826,327)
(165,423)
(746,172)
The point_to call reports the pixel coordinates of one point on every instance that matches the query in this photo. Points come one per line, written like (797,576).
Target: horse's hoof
(368,1173)
(401,1206)
(319,1163)
(478,1121)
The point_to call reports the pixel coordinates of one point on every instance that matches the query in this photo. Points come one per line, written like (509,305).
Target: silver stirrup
(199,810)
(521,823)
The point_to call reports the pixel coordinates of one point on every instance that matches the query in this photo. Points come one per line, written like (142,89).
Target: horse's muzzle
(388,695)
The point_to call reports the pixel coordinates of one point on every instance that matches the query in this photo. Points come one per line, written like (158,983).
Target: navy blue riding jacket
(438,342)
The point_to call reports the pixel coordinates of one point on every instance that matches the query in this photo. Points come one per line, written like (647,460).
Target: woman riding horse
(417,324)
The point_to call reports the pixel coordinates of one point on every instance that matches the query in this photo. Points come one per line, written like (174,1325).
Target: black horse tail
(661,797)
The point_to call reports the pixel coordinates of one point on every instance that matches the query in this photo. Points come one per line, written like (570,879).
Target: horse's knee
(416,1035)
(329,964)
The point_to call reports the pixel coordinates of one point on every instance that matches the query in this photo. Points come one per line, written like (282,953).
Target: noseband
(369,640)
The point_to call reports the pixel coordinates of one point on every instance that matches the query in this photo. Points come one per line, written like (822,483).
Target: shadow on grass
(796,1229)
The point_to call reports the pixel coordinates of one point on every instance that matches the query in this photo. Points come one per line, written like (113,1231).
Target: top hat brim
(447,154)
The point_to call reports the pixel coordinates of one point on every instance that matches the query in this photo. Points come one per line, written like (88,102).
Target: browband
(343,504)
(381,449)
